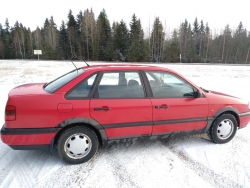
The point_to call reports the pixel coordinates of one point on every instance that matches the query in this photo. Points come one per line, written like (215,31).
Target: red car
(98,105)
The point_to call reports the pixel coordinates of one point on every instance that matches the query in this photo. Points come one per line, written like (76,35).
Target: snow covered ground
(190,161)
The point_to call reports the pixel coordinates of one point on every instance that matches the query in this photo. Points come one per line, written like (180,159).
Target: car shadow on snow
(48,158)
(199,140)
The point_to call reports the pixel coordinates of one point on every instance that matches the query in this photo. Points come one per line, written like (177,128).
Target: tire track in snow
(81,173)
(6,166)
(119,169)
(121,172)
(29,165)
(214,179)
(22,168)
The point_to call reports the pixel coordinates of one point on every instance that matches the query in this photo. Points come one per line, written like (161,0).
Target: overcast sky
(218,13)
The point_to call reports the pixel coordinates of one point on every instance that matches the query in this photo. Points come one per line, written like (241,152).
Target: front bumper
(23,139)
(244,119)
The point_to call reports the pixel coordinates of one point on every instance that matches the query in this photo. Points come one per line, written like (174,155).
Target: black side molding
(5,131)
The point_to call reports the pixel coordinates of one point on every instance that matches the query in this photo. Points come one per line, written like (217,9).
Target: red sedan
(98,105)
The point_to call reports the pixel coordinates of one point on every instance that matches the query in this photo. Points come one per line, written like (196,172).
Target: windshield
(54,85)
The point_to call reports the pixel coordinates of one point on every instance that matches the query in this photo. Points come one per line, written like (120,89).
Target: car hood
(220,100)
(222,94)
(28,89)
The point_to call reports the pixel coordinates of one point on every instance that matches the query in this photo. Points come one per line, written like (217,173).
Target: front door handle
(103,108)
(162,106)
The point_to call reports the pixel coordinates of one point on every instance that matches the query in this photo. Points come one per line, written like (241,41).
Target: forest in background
(84,37)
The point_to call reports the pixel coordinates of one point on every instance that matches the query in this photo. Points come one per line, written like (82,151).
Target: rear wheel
(224,128)
(77,145)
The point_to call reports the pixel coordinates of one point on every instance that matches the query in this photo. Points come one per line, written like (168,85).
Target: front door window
(167,85)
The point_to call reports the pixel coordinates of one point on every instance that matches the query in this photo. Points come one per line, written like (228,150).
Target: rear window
(54,85)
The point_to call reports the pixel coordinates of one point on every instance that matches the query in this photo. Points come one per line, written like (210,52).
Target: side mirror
(197,94)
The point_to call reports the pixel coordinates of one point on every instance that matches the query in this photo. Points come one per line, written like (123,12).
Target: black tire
(69,142)
(224,128)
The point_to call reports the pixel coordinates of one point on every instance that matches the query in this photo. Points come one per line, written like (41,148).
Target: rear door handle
(162,106)
(103,108)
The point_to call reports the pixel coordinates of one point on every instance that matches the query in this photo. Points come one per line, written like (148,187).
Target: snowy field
(190,161)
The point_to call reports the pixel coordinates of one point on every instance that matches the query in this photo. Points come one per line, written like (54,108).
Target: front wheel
(224,128)
(77,145)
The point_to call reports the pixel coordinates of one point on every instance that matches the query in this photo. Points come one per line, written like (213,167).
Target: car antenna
(74,65)
(86,63)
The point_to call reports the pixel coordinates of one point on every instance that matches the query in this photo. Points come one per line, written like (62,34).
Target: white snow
(190,161)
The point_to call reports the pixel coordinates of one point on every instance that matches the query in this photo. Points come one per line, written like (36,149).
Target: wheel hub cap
(225,129)
(77,146)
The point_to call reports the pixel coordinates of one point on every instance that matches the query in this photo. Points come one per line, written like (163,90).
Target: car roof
(124,66)
(132,66)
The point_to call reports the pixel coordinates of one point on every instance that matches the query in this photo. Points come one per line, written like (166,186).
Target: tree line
(85,38)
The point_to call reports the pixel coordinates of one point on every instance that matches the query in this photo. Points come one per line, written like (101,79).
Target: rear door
(175,105)
(121,106)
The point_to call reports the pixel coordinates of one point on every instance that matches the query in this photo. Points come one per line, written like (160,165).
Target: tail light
(10,113)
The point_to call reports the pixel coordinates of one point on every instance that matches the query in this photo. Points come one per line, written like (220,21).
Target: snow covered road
(189,161)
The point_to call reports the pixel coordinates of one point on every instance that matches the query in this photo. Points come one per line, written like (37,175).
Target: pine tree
(93,29)
(64,42)
(196,41)
(105,46)
(1,42)
(72,35)
(240,44)
(183,39)
(196,28)
(227,38)
(137,46)
(7,41)
(16,41)
(79,22)
(248,51)
(50,42)
(80,40)
(1,28)
(201,41)
(30,44)
(191,54)
(172,52)
(157,40)
(121,41)
(88,35)
(207,42)
(37,35)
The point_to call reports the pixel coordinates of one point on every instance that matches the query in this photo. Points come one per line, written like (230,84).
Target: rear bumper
(30,147)
(28,139)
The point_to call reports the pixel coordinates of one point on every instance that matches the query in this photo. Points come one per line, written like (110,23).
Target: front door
(120,105)
(176,107)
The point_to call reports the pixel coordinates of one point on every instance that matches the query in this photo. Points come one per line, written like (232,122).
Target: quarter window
(167,85)
(120,85)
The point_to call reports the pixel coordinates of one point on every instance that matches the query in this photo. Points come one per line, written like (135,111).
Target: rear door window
(120,85)
(83,89)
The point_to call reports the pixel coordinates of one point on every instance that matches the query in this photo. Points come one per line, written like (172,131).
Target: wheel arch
(87,122)
(228,110)
(224,110)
